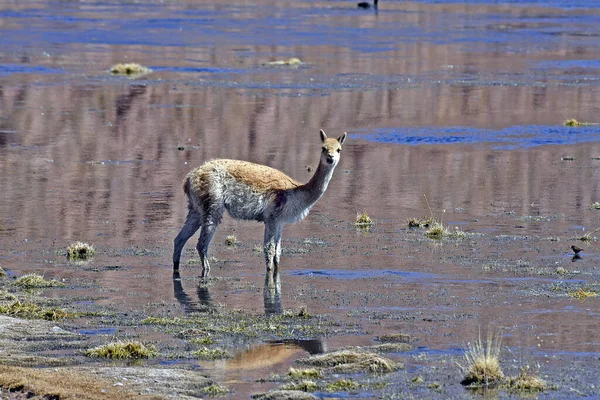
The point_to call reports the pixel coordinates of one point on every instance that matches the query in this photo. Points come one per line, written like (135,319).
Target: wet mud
(453,111)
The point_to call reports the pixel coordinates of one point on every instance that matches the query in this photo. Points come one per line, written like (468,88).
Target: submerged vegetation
(123,350)
(483,361)
(80,251)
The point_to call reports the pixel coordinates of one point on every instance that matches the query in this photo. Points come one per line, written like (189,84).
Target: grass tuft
(80,251)
(214,390)
(297,373)
(32,311)
(424,222)
(526,381)
(205,353)
(346,385)
(596,205)
(2,272)
(395,338)
(574,122)
(231,240)
(31,281)
(583,293)
(289,62)
(122,350)
(483,361)
(363,221)
(304,386)
(350,361)
(303,313)
(129,69)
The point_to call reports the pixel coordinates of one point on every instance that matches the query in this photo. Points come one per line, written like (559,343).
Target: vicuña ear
(323,135)
(342,138)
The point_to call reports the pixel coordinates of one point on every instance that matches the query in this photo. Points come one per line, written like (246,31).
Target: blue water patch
(566,64)
(514,137)
(98,331)
(9,69)
(363,274)
(544,3)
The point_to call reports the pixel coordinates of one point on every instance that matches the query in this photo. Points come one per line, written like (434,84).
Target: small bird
(576,249)
(366,5)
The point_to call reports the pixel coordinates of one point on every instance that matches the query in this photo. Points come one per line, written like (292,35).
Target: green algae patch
(26,310)
(31,281)
(351,361)
(122,350)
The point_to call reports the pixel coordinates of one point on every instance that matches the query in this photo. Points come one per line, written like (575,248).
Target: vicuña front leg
(272,234)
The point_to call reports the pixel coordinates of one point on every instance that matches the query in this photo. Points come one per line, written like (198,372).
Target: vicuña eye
(324,149)
(339,150)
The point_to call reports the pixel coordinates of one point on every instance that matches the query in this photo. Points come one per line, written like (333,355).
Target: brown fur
(259,177)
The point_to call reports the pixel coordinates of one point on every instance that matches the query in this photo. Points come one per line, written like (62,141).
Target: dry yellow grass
(483,361)
(61,384)
(350,361)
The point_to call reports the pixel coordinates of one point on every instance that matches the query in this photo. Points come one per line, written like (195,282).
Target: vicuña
(252,192)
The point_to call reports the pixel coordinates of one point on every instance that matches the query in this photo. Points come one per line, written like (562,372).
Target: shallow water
(461,102)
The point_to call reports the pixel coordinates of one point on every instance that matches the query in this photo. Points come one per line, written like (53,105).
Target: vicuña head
(252,192)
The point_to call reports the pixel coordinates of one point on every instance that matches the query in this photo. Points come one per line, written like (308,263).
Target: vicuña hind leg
(209,227)
(191,225)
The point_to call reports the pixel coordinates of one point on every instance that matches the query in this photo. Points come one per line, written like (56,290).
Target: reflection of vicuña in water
(251,192)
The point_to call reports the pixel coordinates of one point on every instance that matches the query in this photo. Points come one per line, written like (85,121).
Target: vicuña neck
(314,189)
